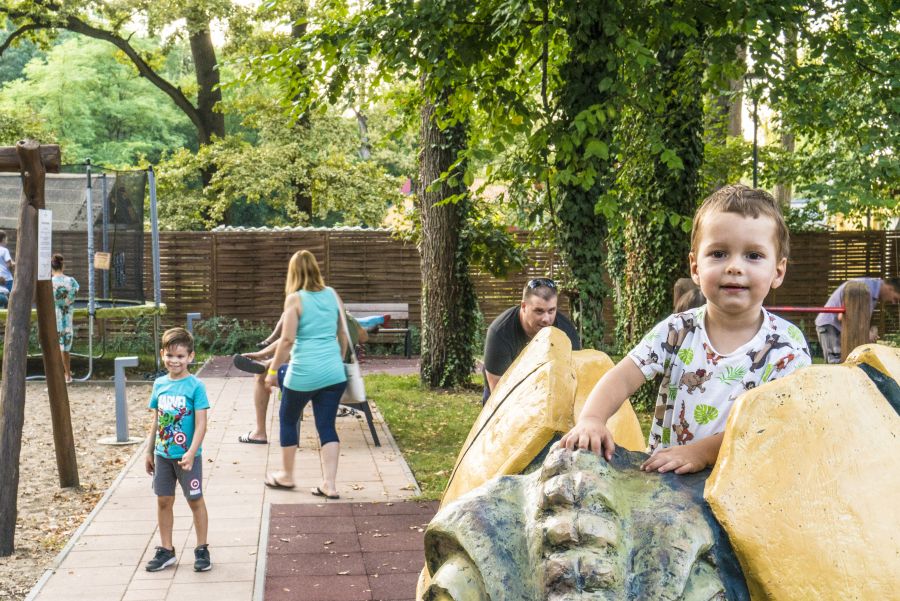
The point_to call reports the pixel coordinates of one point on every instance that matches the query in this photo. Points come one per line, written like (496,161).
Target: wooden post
(15,349)
(857,317)
(60,412)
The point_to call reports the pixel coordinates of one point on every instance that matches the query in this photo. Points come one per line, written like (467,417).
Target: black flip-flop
(246,438)
(274,483)
(321,493)
(249,365)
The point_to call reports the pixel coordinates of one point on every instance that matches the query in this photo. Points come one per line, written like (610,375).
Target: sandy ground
(47,514)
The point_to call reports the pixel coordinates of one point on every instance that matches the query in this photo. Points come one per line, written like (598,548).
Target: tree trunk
(365,147)
(582,231)
(784,190)
(784,187)
(302,195)
(15,358)
(448,297)
(208,92)
(735,125)
(655,253)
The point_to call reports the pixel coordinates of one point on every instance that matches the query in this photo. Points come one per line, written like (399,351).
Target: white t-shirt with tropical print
(699,385)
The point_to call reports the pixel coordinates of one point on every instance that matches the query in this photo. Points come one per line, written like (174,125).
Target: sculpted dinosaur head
(578,527)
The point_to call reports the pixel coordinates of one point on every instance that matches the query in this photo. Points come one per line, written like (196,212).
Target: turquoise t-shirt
(316,356)
(177,400)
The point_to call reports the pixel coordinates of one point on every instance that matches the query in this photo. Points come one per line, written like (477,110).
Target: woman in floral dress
(65,287)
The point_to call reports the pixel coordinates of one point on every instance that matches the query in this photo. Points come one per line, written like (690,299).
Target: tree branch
(181,101)
(15,34)
(76,25)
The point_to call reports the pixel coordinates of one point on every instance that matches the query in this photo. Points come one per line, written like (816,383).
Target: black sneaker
(163,559)
(201,559)
(247,364)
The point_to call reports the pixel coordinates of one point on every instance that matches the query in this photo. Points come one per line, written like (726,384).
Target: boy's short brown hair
(177,337)
(748,202)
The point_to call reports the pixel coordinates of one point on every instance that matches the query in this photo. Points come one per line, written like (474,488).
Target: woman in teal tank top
(313,334)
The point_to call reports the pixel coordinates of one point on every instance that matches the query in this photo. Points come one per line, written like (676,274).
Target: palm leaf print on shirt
(732,374)
(686,355)
(703,414)
(795,334)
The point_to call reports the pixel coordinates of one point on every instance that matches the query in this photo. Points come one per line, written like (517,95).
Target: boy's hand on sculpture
(590,433)
(685,459)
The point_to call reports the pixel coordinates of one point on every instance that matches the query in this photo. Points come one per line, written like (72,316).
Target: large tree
(113,21)
(96,106)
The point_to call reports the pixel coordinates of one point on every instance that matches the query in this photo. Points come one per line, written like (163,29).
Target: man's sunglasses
(538,282)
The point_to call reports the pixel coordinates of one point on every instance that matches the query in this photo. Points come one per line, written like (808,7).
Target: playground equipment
(800,487)
(116,221)
(31,161)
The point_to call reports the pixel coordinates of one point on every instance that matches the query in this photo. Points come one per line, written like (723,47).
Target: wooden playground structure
(33,161)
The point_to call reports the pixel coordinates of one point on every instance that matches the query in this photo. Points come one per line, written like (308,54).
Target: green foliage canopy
(95,105)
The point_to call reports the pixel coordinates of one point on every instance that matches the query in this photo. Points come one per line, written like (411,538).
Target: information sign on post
(45,243)
(101,261)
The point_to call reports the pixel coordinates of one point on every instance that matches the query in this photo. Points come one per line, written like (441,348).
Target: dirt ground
(47,514)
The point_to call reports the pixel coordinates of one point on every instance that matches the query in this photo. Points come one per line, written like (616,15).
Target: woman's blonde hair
(303,273)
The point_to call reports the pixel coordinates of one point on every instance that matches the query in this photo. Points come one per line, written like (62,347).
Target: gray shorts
(167,471)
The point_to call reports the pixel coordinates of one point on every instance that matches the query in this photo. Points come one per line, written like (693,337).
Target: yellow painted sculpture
(805,486)
(807,481)
(538,397)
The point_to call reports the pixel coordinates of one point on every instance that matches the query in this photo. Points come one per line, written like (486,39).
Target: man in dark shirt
(514,328)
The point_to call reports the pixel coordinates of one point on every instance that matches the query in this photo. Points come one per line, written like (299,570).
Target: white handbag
(356,388)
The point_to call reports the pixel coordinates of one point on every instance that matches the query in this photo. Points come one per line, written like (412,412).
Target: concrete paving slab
(106,556)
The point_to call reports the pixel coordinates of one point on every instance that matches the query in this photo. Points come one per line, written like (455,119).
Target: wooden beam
(15,350)
(50,156)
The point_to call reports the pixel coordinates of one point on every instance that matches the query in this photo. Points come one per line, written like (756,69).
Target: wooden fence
(241,274)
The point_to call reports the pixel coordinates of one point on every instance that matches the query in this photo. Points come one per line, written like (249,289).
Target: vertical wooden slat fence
(245,270)
(240,274)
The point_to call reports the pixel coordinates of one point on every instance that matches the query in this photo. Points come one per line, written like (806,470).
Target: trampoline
(114,221)
(107,308)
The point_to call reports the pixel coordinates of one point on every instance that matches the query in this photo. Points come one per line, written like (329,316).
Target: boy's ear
(695,275)
(780,271)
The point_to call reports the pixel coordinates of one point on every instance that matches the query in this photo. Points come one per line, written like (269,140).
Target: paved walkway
(105,559)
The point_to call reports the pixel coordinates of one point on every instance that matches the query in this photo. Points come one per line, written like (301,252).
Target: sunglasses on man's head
(538,282)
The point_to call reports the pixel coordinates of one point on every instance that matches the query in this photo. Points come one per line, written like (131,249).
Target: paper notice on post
(45,243)
(101,261)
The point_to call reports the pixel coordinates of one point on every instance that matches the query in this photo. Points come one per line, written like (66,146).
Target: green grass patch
(430,426)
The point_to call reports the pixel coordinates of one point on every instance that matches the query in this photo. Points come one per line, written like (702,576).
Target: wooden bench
(398,325)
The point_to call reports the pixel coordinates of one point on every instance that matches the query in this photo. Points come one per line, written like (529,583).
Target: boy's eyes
(754,256)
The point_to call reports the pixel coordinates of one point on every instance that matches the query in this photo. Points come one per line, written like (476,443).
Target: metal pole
(122,405)
(89,197)
(191,317)
(755,149)
(154,234)
(105,205)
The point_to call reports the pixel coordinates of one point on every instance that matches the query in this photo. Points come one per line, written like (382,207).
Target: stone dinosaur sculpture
(805,488)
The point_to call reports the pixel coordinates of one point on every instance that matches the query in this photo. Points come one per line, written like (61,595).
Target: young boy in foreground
(174,455)
(707,356)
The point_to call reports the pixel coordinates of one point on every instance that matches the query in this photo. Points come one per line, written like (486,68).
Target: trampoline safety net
(117,200)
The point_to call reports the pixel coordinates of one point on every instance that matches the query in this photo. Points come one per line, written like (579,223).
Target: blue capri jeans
(325,406)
